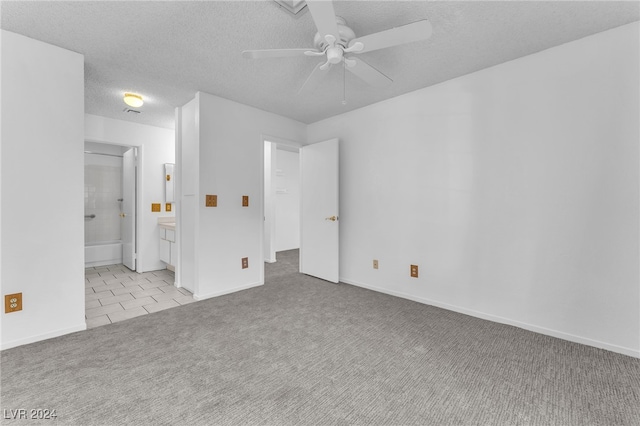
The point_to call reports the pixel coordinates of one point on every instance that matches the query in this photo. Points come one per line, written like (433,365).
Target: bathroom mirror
(169,190)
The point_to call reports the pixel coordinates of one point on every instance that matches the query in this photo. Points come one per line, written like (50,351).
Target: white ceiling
(169,50)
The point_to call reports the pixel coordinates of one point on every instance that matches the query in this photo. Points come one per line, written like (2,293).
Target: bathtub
(102,253)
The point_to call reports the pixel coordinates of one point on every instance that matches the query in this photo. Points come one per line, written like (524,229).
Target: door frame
(268,246)
(135,207)
(138,202)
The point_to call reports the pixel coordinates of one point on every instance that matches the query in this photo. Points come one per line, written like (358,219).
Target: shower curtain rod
(99,153)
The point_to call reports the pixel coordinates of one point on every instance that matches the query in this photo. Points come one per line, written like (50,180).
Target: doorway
(110,191)
(281,199)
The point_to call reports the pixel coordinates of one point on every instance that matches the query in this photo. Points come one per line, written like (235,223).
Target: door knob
(332,218)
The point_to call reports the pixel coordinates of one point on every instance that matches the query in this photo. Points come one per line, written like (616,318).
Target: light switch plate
(156,207)
(245,201)
(167,207)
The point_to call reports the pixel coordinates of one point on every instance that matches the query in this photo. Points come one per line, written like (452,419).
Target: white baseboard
(45,336)
(531,327)
(228,291)
(103,263)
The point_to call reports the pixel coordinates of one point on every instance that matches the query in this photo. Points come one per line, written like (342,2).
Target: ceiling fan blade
(314,78)
(416,31)
(324,17)
(274,53)
(368,73)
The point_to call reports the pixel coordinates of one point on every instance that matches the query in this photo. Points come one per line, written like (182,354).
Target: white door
(128,214)
(319,227)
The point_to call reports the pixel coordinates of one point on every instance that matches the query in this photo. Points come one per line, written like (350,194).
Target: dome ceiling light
(133,100)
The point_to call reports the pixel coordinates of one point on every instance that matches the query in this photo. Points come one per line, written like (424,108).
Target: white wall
(515,189)
(230,144)
(157,147)
(42,189)
(287,200)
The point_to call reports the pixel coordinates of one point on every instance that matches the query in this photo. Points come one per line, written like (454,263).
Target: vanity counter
(168,225)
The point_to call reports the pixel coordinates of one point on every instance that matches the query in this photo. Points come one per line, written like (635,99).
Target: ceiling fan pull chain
(344,82)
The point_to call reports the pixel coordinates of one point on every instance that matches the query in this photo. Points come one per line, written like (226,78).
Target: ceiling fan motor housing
(346,35)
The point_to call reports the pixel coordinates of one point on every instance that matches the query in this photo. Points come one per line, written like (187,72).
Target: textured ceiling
(168,51)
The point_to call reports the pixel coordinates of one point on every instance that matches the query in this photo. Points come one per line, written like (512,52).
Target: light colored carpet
(303,351)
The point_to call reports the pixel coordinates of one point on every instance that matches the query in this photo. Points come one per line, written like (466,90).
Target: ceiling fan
(337,43)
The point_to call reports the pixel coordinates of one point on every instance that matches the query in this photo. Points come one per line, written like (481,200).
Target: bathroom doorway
(110,193)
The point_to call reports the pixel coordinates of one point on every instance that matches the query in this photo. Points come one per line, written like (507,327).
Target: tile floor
(115,293)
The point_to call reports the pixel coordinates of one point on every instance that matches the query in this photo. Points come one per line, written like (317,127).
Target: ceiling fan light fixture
(133,100)
(334,55)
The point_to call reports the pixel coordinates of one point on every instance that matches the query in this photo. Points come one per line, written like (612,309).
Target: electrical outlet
(414,271)
(375,264)
(12,302)
(211,201)
(245,262)
(156,207)
(245,201)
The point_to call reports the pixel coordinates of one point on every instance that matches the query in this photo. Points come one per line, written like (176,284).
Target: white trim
(282,142)
(228,291)
(139,206)
(39,337)
(261,201)
(537,329)
(177,147)
(268,212)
